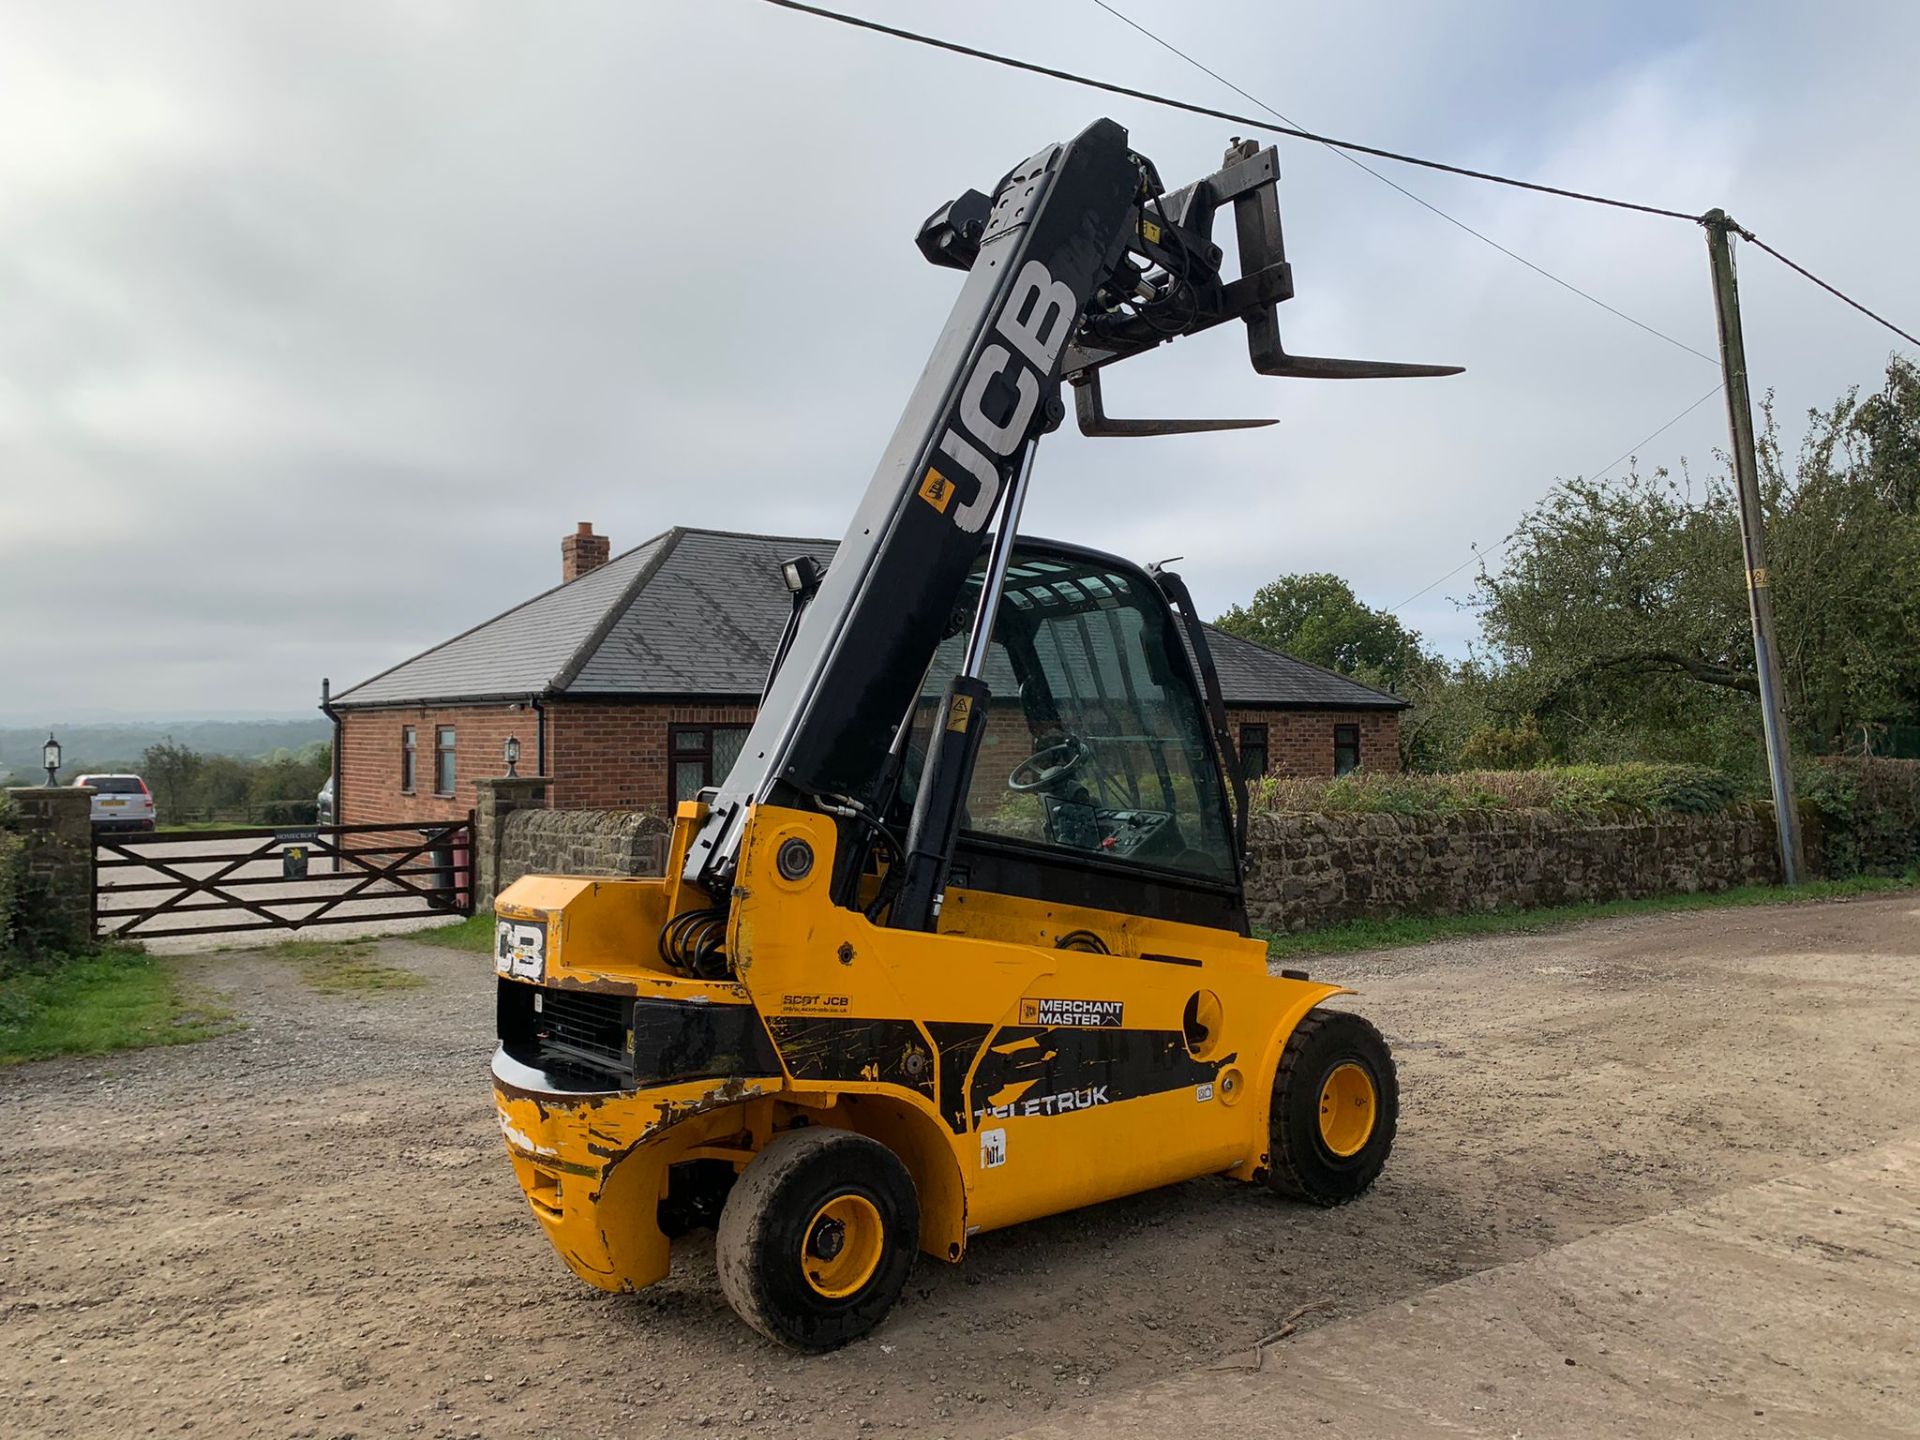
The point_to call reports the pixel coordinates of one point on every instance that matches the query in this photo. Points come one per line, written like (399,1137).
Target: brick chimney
(583,552)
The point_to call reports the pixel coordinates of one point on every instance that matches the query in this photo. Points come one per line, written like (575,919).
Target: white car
(120,802)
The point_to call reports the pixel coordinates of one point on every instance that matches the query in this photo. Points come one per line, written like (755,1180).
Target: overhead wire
(1417,199)
(1751,238)
(1254,122)
(1283,126)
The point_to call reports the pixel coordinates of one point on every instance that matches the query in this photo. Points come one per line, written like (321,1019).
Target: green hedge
(1635,788)
(1868,813)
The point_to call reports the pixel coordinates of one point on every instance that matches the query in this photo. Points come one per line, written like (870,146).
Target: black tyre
(1336,1104)
(818,1238)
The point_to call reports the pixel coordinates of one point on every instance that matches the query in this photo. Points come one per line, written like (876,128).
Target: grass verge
(1392,934)
(115,998)
(343,967)
(474,933)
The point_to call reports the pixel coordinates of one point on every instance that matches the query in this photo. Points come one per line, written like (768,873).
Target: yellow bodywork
(859,1012)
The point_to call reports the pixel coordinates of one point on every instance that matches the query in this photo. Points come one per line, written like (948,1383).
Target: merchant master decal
(1089,1014)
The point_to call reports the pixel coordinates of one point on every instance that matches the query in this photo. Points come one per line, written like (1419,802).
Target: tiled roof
(698,612)
(1251,674)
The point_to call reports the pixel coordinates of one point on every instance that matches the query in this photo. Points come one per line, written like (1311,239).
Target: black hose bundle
(694,943)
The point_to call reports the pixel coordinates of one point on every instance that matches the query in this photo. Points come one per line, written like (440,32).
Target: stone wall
(56,894)
(580,842)
(1306,871)
(1312,870)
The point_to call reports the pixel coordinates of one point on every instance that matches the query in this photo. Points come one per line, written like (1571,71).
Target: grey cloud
(320,325)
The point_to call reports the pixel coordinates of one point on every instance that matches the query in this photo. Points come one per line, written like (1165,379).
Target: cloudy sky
(321,324)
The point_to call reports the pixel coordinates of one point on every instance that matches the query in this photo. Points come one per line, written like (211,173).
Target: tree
(1318,618)
(1619,617)
(171,771)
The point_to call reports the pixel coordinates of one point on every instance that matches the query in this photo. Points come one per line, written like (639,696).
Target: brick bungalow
(631,684)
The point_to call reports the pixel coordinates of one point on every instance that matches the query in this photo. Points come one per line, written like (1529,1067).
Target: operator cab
(1098,774)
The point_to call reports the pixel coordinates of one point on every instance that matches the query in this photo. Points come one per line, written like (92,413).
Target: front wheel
(818,1237)
(1336,1104)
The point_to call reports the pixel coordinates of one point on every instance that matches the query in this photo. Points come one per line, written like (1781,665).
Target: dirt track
(309,1229)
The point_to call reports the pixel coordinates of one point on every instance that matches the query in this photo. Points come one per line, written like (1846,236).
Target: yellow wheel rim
(842,1246)
(1347,1108)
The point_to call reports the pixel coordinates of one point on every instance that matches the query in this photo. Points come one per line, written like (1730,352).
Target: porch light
(50,757)
(513,756)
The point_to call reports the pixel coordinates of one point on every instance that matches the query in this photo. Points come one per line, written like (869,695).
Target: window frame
(1349,728)
(1255,734)
(409,753)
(701,755)
(446,741)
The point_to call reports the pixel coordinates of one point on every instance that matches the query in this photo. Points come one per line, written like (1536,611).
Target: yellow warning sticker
(961,714)
(937,491)
(1149,231)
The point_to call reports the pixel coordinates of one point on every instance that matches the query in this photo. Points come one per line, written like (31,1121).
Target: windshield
(1096,740)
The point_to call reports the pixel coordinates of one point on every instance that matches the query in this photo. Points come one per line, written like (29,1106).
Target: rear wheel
(818,1237)
(1336,1104)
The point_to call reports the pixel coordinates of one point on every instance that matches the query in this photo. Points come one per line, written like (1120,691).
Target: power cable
(1255,123)
(1420,200)
(1837,294)
(1296,132)
(1250,121)
(1500,545)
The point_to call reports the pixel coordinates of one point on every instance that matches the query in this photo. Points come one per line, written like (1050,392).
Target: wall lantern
(513,756)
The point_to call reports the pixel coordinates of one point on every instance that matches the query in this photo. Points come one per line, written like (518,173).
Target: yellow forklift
(961,940)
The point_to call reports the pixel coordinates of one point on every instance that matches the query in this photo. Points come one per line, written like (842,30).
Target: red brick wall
(370,759)
(606,754)
(612,755)
(1300,742)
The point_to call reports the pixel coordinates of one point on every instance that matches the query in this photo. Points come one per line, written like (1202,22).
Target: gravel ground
(308,1228)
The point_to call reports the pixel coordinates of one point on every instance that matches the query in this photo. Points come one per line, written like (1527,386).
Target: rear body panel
(1016,1079)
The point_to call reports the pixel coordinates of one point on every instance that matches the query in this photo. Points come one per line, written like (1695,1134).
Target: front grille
(585,1028)
(571,1032)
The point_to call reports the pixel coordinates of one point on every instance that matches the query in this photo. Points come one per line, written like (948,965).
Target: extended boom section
(1079,260)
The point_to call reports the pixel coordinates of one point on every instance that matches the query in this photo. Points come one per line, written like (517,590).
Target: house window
(406,760)
(1346,749)
(443,760)
(1253,751)
(699,756)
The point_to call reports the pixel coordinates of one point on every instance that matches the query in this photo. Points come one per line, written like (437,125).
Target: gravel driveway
(309,1228)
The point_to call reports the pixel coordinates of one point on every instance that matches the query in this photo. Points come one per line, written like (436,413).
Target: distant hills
(119,745)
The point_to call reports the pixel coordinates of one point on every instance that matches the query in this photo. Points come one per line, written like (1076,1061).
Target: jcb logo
(1035,322)
(520,949)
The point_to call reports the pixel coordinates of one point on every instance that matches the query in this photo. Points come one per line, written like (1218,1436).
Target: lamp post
(513,756)
(50,757)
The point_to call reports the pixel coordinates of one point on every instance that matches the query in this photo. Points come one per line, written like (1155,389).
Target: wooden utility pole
(1746,471)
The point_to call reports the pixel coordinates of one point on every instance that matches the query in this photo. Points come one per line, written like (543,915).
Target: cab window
(1095,741)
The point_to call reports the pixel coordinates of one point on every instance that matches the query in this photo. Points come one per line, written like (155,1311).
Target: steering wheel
(1047,767)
